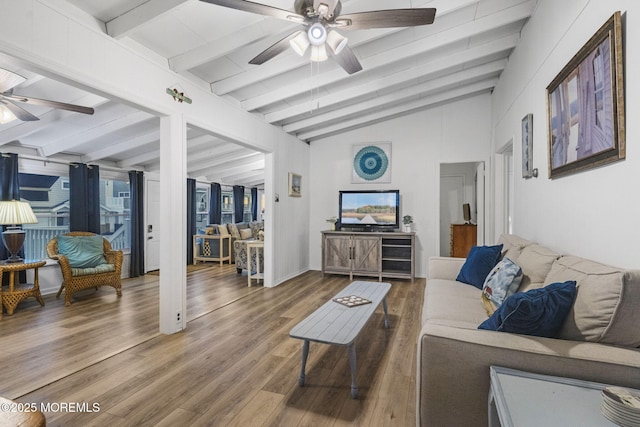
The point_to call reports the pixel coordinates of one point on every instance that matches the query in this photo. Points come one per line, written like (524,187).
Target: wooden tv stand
(376,254)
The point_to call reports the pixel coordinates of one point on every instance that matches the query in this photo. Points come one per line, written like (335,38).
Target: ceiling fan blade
(19,112)
(275,49)
(260,9)
(48,103)
(348,60)
(387,18)
(9,79)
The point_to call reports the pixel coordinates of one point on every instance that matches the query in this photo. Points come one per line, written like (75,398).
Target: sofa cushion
(451,303)
(480,261)
(540,312)
(535,261)
(245,234)
(513,246)
(233,230)
(607,301)
(82,251)
(223,230)
(502,282)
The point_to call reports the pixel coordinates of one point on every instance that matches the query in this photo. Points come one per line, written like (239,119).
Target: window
(227,207)
(49,198)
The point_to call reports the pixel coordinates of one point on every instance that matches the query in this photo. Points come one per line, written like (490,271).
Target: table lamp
(14,213)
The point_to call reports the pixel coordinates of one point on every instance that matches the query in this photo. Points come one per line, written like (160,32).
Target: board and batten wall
(591,214)
(453,133)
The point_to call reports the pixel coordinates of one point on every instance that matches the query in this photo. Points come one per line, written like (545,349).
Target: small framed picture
(295,185)
(527,146)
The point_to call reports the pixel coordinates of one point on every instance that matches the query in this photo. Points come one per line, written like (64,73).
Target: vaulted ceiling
(404,70)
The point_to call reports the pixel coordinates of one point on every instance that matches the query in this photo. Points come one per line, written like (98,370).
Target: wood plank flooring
(234,365)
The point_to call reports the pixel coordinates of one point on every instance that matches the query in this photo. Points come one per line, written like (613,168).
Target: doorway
(460,184)
(152,250)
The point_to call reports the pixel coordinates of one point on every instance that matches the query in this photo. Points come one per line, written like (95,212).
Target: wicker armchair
(74,279)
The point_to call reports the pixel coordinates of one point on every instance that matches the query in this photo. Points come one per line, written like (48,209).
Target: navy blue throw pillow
(479,263)
(540,312)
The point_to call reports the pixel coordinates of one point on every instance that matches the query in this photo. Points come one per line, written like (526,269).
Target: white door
(451,200)
(152,251)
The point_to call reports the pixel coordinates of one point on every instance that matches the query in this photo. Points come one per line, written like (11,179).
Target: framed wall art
(371,163)
(527,146)
(295,185)
(585,105)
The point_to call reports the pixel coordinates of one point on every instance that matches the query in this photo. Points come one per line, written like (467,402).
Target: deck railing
(36,239)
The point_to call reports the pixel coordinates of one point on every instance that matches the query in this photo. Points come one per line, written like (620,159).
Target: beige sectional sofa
(598,342)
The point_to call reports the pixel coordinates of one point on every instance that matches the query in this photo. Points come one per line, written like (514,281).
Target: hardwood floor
(234,364)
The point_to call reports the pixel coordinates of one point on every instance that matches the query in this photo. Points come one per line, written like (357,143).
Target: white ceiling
(404,70)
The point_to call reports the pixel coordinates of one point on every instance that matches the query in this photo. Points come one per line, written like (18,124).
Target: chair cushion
(82,251)
(480,261)
(102,268)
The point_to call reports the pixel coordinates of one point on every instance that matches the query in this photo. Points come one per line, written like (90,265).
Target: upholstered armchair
(85,263)
(240,249)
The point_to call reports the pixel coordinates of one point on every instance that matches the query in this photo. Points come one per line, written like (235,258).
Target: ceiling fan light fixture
(336,42)
(300,43)
(317,34)
(319,53)
(6,116)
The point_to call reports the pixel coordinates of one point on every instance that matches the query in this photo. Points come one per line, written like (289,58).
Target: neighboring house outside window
(49,198)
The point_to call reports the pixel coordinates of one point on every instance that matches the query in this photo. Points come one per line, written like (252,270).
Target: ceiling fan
(319,19)
(9,100)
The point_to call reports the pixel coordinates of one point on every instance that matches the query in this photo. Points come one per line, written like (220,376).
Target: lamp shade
(300,43)
(319,53)
(15,212)
(336,42)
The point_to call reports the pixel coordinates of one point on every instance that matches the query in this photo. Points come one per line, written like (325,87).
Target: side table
(223,243)
(257,245)
(523,399)
(19,291)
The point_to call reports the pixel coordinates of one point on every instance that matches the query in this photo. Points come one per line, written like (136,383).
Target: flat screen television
(369,210)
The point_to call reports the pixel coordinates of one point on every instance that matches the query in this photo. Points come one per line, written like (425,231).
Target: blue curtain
(84,198)
(9,190)
(215,204)
(191,217)
(254,204)
(238,203)
(136,193)
(9,183)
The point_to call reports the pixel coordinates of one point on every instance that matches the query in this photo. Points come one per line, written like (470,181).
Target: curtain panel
(9,190)
(191,217)
(136,191)
(238,203)
(254,204)
(84,198)
(215,204)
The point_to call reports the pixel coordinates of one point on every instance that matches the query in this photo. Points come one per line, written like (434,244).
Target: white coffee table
(523,399)
(334,323)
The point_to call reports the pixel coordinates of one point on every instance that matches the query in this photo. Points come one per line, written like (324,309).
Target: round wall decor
(370,163)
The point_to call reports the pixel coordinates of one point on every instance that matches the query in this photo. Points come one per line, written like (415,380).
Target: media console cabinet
(375,254)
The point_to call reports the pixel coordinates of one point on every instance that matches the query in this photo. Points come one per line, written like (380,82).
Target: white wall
(457,132)
(592,213)
(289,216)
